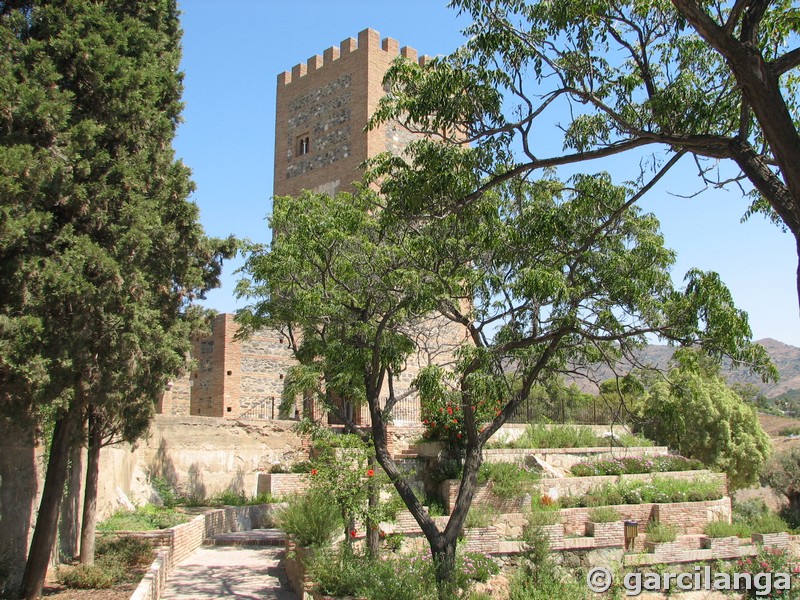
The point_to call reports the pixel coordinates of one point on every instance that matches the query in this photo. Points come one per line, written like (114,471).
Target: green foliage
(768,523)
(480,515)
(117,560)
(768,560)
(311,519)
(165,491)
(508,480)
(720,529)
(604,514)
(793,430)
(782,474)
(659,490)
(477,566)
(698,415)
(144,518)
(660,532)
(571,436)
(345,573)
(631,465)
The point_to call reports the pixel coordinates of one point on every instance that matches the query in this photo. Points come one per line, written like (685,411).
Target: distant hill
(785,357)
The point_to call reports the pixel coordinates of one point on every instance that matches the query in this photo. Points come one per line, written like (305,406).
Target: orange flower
(314,471)
(370,472)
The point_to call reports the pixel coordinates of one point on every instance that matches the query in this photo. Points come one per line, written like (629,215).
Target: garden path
(246,573)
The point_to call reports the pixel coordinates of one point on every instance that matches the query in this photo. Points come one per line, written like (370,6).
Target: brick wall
(483,496)
(280,484)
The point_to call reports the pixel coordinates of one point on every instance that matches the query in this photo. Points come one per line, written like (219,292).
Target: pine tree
(101,252)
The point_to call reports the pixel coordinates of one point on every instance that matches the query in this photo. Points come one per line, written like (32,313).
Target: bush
(477,567)
(508,479)
(659,532)
(634,465)
(604,514)
(480,515)
(570,436)
(97,576)
(543,517)
(229,498)
(792,430)
(659,490)
(768,523)
(721,529)
(311,519)
(165,491)
(127,551)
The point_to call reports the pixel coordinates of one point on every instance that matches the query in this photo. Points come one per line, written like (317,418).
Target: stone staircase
(253,537)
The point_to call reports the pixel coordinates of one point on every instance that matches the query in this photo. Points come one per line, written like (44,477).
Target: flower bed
(659,490)
(630,465)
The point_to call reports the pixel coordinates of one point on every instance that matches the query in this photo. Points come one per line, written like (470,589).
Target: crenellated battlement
(368,40)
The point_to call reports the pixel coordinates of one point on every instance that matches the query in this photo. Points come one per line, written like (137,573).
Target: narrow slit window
(303,145)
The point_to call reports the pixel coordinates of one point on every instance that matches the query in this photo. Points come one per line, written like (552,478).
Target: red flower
(352,533)
(473,408)
(455,421)
(458,435)
(314,471)
(449,410)
(370,472)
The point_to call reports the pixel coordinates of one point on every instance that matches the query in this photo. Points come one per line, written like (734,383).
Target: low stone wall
(282,484)
(577,486)
(182,540)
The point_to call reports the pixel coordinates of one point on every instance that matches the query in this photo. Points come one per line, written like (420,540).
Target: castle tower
(322,108)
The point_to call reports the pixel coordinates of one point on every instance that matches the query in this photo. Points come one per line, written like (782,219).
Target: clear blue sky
(233,53)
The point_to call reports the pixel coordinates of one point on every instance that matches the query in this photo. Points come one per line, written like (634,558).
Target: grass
(144,518)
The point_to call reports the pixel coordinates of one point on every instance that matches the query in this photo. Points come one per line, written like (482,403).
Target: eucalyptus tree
(714,80)
(538,276)
(101,252)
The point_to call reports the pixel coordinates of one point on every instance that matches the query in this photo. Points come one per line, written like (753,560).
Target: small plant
(793,430)
(229,498)
(392,541)
(477,566)
(165,491)
(508,479)
(95,576)
(144,518)
(769,523)
(604,514)
(660,532)
(311,519)
(544,517)
(720,529)
(480,515)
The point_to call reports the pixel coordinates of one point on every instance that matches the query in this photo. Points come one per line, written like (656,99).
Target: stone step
(253,537)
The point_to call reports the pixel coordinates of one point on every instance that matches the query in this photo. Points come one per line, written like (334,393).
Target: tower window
(303,146)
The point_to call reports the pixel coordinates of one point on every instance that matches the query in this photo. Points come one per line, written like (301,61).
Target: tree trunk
(373,530)
(44,534)
(69,517)
(90,494)
(444,560)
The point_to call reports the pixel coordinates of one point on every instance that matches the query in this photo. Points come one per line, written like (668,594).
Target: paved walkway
(230,572)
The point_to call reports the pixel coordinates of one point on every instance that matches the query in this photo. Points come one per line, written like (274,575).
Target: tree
(783,475)
(694,412)
(101,253)
(539,275)
(714,80)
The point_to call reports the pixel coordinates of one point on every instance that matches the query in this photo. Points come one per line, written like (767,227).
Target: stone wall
(565,458)
(576,486)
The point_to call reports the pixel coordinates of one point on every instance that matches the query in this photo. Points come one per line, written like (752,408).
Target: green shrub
(604,514)
(229,498)
(97,576)
(792,430)
(544,517)
(477,567)
(720,529)
(660,532)
(311,519)
(546,583)
(659,490)
(633,465)
(508,479)
(768,523)
(747,510)
(570,436)
(480,515)
(127,551)
(165,491)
